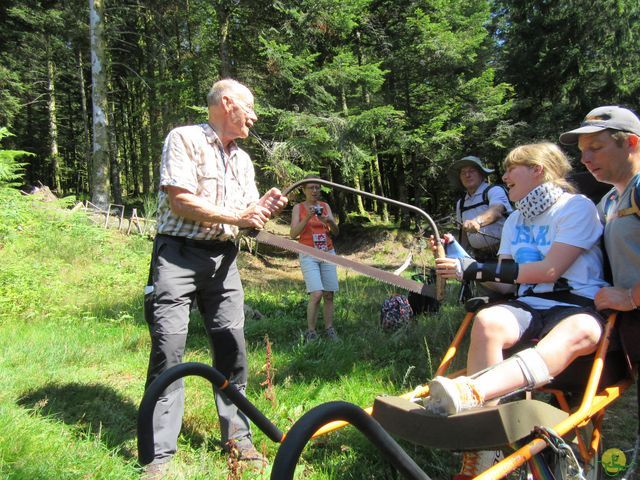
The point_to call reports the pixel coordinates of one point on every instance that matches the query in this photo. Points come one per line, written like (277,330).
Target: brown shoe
(154,471)
(245,454)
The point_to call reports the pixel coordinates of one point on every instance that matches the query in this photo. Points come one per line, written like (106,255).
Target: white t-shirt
(572,220)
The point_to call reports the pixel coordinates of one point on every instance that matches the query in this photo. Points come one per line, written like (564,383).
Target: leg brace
(532,365)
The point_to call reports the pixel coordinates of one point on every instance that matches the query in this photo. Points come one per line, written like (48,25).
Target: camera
(317,209)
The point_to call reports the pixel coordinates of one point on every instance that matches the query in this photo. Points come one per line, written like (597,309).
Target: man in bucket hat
(482,208)
(480,211)
(609,139)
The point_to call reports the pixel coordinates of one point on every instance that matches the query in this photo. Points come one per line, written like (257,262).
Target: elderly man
(207,193)
(609,141)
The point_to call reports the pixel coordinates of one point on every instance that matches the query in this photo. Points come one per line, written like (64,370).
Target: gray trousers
(181,272)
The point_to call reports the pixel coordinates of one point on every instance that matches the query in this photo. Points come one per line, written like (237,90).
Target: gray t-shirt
(622,237)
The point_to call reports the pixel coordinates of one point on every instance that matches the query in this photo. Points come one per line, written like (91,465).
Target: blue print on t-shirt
(527,255)
(532,234)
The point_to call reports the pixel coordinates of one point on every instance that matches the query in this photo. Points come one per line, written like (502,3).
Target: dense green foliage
(564,58)
(376,94)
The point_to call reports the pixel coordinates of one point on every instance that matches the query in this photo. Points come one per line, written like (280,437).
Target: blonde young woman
(550,258)
(312,223)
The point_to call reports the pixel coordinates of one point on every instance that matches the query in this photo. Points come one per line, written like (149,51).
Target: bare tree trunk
(116,187)
(155,124)
(70,153)
(85,123)
(100,171)
(376,178)
(132,138)
(401,166)
(120,131)
(53,127)
(144,147)
(224,14)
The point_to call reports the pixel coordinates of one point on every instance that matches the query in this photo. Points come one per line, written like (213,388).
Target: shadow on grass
(93,409)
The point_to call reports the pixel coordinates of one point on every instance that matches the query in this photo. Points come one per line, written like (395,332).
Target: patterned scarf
(539,200)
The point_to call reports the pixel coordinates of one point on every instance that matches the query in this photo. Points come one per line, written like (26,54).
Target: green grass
(74,346)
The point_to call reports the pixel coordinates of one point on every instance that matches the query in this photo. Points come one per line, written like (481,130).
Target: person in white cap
(609,141)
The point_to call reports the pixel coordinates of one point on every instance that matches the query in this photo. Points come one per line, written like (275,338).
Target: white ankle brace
(533,367)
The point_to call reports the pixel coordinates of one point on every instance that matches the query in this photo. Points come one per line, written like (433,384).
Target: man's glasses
(245,107)
(314,187)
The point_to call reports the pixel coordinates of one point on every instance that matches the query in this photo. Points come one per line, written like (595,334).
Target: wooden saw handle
(440,282)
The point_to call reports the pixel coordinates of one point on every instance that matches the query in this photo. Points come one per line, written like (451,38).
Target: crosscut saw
(436,291)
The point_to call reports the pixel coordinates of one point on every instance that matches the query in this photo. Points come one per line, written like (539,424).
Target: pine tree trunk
(85,126)
(124,146)
(100,171)
(144,149)
(223,19)
(116,187)
(53,128)
(154,127)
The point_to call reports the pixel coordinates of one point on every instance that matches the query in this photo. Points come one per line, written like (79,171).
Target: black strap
(564,297)
(464,208)
(213,245)
(484,201)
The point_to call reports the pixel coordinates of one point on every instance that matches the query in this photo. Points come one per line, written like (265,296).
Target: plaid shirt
(193,158)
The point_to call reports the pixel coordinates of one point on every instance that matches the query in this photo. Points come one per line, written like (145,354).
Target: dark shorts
(543,321)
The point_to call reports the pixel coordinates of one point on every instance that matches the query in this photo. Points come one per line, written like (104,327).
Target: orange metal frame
(592,407)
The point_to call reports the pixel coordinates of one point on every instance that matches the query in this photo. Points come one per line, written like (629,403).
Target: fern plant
(10,168)
(15,208)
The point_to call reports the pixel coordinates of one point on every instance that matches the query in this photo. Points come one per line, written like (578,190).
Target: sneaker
(331,333)
(474,463)
(154,471)
(449,396)
(310,336)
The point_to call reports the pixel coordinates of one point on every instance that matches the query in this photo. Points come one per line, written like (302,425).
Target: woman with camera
(312,223)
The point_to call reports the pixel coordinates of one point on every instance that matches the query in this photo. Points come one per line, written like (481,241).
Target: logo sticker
(614,461)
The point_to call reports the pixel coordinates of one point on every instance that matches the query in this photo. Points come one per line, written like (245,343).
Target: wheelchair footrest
(478,429)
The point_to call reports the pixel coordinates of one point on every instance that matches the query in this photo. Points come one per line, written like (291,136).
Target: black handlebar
(146,451)
(301,431)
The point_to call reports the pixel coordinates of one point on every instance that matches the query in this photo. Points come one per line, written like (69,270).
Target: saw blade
(369,271)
